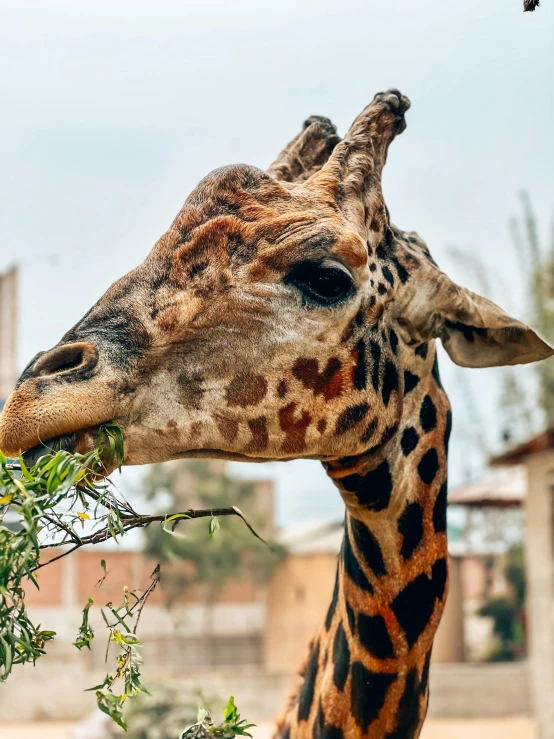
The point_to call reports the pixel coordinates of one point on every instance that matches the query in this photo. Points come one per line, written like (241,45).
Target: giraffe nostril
(75,358)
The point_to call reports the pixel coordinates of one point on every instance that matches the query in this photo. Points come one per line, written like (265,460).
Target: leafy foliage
(50,502)
(231,726)
(161,714)
(86,633)
(122,622)
(48,505)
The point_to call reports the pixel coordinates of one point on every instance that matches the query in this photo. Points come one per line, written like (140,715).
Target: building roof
(506,487)
(313,538)
(541,443)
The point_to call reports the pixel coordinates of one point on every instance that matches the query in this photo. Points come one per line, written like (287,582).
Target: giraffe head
(276,318)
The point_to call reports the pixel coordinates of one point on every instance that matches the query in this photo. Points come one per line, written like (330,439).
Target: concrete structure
(55,689)
(299,594)
(8,331)
(538,457)
(491,522)
(502,489)
(184,636)
(252,644)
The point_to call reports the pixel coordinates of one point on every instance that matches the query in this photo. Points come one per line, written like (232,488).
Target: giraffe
(284,316)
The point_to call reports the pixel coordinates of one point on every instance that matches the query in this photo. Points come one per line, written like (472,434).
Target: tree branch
(129,522)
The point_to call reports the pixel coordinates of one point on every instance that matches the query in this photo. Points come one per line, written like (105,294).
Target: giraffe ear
(474,331)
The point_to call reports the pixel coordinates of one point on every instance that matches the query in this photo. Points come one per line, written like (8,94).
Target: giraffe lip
(50,446)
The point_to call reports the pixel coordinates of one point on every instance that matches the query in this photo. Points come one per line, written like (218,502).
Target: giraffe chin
(240,457)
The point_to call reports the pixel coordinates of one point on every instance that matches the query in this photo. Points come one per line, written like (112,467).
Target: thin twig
(155,576)
(75,538)
(129,522)
(54,559)
(240,514)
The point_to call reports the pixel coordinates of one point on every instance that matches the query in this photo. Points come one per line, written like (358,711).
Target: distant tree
(229,552)
(526,400)
(507,611)
(537,267)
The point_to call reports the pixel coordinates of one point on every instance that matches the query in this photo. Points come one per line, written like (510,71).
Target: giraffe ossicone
(283,316)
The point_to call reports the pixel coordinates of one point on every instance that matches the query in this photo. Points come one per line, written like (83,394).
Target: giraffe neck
(367,674)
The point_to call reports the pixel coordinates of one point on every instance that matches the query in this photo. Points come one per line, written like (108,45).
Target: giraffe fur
(283,316)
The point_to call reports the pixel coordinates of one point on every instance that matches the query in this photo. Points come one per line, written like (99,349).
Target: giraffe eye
(321,284)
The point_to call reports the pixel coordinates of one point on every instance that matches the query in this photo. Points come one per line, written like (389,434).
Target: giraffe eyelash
(321,285)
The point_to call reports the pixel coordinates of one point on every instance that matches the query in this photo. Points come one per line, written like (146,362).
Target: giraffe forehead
(239,214)
(272,243)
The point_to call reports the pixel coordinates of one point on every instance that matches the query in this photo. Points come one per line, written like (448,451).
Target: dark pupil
(325,285)
(329,283)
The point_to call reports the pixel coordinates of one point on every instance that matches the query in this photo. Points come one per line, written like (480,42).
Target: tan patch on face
(190,390)
(196,431)
(352,249)
(169,319)
(245,390)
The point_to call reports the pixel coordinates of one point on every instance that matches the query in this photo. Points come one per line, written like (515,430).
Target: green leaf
(214,526)
(230,713)
(177,516)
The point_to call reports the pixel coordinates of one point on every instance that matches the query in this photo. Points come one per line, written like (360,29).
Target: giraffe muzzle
(61,397)
(75,361)
(67,443)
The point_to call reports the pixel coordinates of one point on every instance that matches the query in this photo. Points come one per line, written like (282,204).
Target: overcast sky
(112,112)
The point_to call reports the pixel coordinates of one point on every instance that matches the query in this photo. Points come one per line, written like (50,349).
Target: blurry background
(111,115)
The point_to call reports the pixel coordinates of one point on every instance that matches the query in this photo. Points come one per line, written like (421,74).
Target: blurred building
(537,456)
(179,632)
(189,634)
(300,591)
(8,331)
(492,522)
(299,594)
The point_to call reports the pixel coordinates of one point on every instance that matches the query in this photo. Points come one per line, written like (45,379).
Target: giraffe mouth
(78,442)
(67,443)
